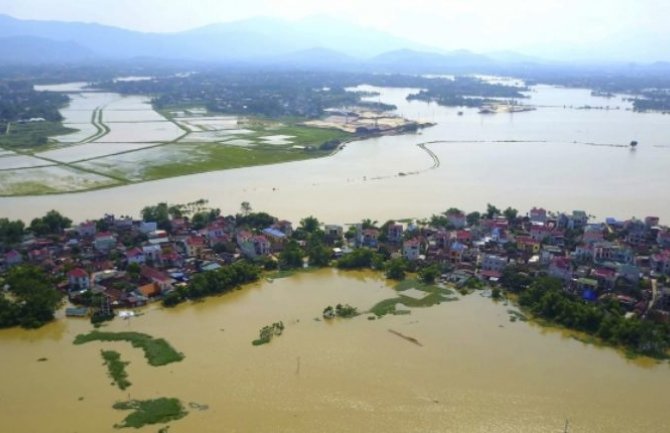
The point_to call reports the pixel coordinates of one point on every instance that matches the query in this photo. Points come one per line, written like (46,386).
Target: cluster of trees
(214,282)
(19,101)
(545,298)
(316,248)
(301,93)
(12,232)
(32,298)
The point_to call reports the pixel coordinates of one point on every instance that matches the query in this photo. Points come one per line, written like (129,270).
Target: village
(122,262)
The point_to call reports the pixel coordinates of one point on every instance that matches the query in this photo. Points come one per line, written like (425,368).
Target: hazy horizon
(624,30)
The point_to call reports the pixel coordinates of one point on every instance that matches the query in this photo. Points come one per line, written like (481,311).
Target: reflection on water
(475,372)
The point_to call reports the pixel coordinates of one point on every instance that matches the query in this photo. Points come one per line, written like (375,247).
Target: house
(147,227)
(528,244)
(152,253)
(605,276)
(663,238)
(12,258)
(78,279)
(587,288)
(86,229)
(170,257)
(608,251)
(538,215)
(150,290)
(456,218)
(39,255)
(578,220)
(194,246)
(162,280)
(411,249)
(333,231)
(368,237)
(561,268)
(284,226)
(593,233)
(493,265)
(661,262)
(456,252)
(394,232)
(135,255)
(104,241)
(651,221)
(253,246)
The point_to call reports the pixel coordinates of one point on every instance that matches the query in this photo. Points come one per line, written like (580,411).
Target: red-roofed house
(78,279)
(135,255)
(162,279)
(561,268)
(86,229)
(194,246)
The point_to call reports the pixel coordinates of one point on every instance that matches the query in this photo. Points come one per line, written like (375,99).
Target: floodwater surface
(474,370)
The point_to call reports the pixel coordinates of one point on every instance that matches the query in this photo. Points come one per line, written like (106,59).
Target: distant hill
(36,50)
(419,61)
(257,38)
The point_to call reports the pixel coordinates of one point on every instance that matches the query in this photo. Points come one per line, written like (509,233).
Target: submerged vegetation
(157,351)
(116,368)
(345,311)
(148,412)
(267,333)
(434,295)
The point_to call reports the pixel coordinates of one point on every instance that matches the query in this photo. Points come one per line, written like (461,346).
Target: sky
(615,27)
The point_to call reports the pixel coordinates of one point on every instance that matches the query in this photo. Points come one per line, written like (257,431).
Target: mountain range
(312,42)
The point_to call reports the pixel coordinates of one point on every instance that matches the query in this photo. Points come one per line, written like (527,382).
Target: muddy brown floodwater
(475,371)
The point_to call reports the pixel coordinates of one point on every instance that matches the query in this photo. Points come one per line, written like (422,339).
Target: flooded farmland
(571,153)
(475,371)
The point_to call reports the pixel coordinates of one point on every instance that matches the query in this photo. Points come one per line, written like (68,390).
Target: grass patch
(32,136)
(157,351)
(435,296)
(116,368)
(147,412)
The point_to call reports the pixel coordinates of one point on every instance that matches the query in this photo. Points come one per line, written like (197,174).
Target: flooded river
(560,156)
(475,372)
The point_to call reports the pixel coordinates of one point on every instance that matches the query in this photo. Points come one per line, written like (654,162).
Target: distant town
(119,262)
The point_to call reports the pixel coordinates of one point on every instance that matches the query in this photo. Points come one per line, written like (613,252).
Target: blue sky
(540,26)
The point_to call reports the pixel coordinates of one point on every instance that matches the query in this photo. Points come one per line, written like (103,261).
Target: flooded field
(561,156)
(475,371)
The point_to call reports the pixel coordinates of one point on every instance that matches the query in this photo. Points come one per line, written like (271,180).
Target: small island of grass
(147,412)
(116,368)
(345,311)
(410,295)
(157,351)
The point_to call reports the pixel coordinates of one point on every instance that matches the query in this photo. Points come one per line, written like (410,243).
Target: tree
(245,208)
(319,254)
(491,211)
(510,214)
(395,269)
(429,274)
(473,218)
(310,224)
(11,232)
(36,298)
(52,223)
(159,214)
(292,255)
